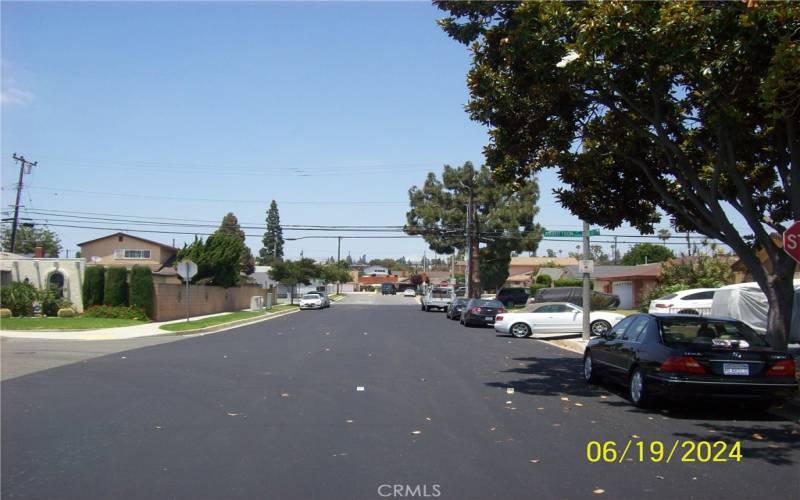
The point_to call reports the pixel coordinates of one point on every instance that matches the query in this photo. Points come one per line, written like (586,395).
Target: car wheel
(423,307)
(520,330)
(638,390)
(600,327)
(589,371)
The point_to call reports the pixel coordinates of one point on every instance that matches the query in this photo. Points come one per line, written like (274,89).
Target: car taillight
(498,318)
(682,364)
(664,306)
(783,368)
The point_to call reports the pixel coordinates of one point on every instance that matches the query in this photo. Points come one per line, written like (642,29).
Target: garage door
(623,289)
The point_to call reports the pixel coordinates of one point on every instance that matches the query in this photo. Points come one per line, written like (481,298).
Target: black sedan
(686,356)
(481,312)
(455,308)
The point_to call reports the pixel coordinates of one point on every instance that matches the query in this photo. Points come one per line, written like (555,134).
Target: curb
(227,326)
(563,344)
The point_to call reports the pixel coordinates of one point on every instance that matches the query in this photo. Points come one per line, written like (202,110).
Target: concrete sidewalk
(151,329)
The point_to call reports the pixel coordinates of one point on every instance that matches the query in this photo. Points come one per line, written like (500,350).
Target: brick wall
(170,300)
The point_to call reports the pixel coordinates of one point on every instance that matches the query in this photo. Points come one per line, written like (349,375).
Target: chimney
(38,252)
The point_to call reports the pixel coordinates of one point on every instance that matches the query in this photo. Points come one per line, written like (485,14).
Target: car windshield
(311,296)
(459,302)
(715,333)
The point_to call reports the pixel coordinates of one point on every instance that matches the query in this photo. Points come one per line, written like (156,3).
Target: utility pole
(473,290)
(587,292)
(338,258)
(23,166)
(615,250)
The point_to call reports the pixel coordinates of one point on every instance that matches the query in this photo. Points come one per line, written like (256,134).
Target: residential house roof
(162,245)
(624,272)
(554,272)
(543,261)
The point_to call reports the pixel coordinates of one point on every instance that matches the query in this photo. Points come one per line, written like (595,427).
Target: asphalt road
(272,410)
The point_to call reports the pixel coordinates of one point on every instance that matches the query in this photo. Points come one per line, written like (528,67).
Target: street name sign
(570,234)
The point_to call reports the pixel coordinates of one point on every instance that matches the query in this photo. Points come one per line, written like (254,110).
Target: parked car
(512,296)
(557,318)
(574,295)
(436,298)
(688,356)
(694,301)
(312,301)
(409,292)
(481,312)
(455,308)
(460,291)
(388,289)
(326,301)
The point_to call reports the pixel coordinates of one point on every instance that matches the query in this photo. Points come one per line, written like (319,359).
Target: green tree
(273,238)
(290,273)
(597,254)
(142,290)
(664,235)
(30,237)
(230,224)
(18,296)
(218,258)
(646,253)
(93,284)
(504,218)
(493,265)
(684,108)
(115,291)
(336,272)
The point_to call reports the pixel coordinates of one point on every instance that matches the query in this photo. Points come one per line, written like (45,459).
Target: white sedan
(553,318)
(409,293)
(694,301)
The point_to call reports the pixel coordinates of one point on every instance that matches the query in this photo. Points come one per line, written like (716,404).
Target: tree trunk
(779,290)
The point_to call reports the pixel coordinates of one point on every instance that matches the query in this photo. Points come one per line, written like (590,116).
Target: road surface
(274,410)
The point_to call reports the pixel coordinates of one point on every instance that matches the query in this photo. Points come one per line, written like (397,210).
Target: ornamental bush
(115,292)
(544,279)
(66,312)
(142,291)
(5,313)
(18,297)
(568,282)
(93,284)
(115,312)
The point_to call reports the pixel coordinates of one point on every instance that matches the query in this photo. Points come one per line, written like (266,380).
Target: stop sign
(791,241)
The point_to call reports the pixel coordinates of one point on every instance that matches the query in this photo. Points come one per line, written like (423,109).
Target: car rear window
(487,303)
(440,293)
(716,333)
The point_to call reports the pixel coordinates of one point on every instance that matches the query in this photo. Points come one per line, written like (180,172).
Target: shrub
(115,292)
(544,279)
(115,312)
(535,287)
(142,292)
(5,313)
(51,302)
(18,297)
(66,312)
(569,282)
(93,283)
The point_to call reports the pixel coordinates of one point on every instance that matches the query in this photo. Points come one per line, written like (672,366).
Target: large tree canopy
(29,237)
(273,237)
(230,224)
(684,108)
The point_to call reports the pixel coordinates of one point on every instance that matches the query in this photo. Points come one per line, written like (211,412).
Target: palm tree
(664,235)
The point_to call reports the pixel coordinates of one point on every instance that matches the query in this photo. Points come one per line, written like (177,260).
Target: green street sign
(570,234)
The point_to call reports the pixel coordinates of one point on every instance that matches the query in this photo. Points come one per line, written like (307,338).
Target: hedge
(93,283)
(120,312)
(115,292)
(569,282)
(535,287)
(18,297)
(544,279)
(142,291)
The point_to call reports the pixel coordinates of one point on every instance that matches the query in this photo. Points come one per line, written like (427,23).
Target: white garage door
(624,289)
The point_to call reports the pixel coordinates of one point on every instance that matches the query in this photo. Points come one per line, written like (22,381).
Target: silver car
(326,301)
(312,301)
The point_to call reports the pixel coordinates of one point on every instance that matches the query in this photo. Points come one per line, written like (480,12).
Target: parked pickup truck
(438,298)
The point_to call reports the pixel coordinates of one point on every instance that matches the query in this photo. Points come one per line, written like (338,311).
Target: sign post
(186,270)
(791,241)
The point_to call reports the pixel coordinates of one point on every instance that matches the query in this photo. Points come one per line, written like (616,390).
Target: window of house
(124,253)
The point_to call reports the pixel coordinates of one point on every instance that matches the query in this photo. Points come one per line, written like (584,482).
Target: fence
(170,300)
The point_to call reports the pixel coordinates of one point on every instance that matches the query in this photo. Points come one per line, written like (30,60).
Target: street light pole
(587,293)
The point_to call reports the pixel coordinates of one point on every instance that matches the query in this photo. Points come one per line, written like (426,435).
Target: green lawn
(64,323)
(222,319)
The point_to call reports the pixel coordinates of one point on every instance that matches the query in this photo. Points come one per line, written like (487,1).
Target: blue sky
(191,110)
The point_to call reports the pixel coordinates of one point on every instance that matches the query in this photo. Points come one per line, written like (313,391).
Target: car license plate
(735,369)
(489,318)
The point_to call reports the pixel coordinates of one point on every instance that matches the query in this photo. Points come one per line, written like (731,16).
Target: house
(630,283)
(522,265)
(126,250)
(64,275)
(743,274)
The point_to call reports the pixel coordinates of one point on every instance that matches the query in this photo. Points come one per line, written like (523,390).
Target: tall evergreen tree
(230,224)
(273,238)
